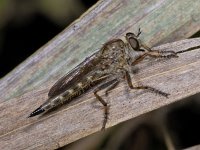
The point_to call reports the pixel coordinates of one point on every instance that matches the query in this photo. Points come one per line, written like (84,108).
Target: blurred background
(27,25)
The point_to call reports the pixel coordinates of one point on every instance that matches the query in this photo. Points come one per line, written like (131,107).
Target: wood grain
(178,76)
(160,21)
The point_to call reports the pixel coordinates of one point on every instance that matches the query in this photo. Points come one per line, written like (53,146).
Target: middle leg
(128,78)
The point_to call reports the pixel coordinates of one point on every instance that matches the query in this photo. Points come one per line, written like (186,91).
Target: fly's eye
(132,40)
(129,35)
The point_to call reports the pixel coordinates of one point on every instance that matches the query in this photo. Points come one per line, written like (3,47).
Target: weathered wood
(160,21)
(197,147)
(178,76)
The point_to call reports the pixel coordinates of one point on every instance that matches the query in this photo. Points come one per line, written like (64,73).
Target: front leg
(151,89)
(155,54)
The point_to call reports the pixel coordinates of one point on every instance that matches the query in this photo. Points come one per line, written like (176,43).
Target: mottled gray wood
(178,76)
(160,21)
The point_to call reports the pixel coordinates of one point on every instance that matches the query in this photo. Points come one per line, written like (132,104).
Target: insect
(102,71)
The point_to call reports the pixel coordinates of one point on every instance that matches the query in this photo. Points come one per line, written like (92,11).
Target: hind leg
(108,85)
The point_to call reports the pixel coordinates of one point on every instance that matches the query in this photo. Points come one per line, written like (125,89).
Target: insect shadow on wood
(103,70)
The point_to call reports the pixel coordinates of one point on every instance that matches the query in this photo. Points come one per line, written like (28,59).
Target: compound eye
(129,35)
(132,40)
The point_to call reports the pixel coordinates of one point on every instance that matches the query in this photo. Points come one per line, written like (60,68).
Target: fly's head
(133,41)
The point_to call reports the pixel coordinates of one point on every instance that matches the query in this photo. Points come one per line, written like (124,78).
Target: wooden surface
(197,147)
(26,87)
(160,21)
(179,76)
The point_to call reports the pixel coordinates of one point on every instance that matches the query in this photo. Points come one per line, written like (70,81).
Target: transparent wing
(74,75)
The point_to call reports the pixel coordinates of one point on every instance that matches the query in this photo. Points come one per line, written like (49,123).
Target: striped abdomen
(67,95)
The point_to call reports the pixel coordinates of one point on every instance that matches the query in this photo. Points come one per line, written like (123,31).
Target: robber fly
(102,70)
